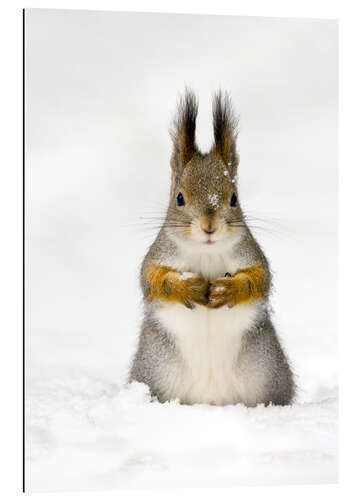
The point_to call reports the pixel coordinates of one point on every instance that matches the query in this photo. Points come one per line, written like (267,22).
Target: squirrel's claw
(219,294)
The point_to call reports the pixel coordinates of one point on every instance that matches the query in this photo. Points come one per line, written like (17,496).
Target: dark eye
(234,200)
(180,200)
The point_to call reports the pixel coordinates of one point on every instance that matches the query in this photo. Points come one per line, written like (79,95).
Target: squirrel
(207,336)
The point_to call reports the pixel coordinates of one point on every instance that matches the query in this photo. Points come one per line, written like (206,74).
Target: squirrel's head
(204,204)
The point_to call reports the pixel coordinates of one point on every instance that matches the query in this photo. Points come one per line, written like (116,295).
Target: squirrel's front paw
(221,293)
(195,290)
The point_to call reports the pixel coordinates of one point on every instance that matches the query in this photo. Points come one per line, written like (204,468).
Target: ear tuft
(183,131)
(225,127)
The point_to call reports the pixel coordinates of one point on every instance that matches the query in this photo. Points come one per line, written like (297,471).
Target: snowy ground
(96,435)
(86,430)
(97,161)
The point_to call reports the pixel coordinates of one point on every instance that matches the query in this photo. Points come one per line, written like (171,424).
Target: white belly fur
(209,340)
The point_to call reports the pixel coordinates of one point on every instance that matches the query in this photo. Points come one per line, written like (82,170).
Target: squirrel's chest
(209,265)
(208,341)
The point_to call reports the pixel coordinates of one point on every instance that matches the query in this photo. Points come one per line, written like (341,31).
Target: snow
(186,275)
(98,162)
(213,199)
(117,438)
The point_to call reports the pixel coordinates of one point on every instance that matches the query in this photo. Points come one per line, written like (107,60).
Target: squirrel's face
(204,206)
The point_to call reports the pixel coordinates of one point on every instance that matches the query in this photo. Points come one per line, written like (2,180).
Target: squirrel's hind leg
(156,360)
(263,368)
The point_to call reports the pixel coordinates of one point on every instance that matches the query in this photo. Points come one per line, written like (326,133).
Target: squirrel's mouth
(209,242)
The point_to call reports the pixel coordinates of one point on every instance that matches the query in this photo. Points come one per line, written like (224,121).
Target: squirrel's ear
(225,128)
(183,131)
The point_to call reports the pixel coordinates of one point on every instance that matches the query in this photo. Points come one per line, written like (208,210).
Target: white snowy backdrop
(100,92)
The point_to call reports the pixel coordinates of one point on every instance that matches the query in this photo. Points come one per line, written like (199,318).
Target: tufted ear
(183,132)
(225,128)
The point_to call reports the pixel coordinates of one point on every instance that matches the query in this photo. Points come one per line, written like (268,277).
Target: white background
(346,84)
(101,90)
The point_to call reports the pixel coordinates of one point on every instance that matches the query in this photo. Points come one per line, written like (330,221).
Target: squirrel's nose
(209,230)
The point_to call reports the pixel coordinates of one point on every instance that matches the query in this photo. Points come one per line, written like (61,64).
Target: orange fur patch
(245,286)
(250,284)
(166,284)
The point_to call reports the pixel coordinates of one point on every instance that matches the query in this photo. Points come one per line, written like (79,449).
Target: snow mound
(84,433)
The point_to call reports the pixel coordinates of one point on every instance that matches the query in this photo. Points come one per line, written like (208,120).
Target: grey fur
(261,357)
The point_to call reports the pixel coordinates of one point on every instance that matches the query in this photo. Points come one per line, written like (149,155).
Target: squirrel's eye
(234,200)
(180,200)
